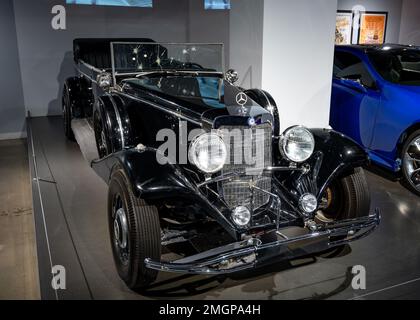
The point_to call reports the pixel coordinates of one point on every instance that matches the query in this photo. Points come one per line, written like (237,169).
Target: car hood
(209,98)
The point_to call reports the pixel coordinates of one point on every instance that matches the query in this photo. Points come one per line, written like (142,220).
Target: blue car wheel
(411,163)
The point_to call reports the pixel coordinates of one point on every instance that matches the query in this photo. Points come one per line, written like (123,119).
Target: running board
(85,137)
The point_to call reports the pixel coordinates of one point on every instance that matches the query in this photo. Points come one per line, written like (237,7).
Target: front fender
(156,183)
(149,179)
(336,155)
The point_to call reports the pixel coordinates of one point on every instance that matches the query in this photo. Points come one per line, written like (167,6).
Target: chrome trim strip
(113,64)
(140,73)
(174,113)
(37,179)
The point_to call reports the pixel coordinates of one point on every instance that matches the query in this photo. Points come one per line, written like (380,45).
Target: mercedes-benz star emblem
(241,99)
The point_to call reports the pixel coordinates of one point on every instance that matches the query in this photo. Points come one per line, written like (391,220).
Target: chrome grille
(237,192)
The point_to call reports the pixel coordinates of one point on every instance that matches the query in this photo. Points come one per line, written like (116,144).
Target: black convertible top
(97,51)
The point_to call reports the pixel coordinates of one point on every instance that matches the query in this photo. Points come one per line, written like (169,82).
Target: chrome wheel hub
(412,163)
(121,229)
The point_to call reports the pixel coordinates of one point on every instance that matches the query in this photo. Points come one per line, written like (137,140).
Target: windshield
(401,66)
(139,58)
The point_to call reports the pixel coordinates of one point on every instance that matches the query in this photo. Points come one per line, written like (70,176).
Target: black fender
(149,179)
(157,183)
(80,95)
(116,120)
(335,156)
(265,100)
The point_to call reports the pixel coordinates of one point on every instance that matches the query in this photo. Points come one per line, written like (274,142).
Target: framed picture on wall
(372,27)
(343,27)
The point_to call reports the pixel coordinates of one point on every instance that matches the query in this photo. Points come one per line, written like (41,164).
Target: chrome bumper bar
(249,254)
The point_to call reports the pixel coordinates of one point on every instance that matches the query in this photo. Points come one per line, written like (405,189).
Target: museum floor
(71,200)
(18,262)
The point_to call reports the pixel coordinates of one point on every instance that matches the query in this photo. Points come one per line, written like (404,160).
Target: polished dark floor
(78,235)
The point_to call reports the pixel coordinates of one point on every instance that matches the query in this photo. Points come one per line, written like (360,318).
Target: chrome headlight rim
(194,160)
(283,144)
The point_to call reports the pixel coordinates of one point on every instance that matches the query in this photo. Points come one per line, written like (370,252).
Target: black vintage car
(199,167)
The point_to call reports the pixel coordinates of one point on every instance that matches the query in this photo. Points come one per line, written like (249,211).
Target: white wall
(393,7)
(246,41)
(12,110)
(298,47)
(46,54)
(410,22)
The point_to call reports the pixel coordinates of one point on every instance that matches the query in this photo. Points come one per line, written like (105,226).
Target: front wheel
(411,163)
(134,231)
(346,198)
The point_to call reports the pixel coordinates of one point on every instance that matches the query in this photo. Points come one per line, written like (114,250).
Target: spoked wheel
(67,117)
(411,163)
(134,232)
(102,142)
(346,198)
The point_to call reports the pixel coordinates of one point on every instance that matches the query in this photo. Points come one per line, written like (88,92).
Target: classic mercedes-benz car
(198,167)
(375,101)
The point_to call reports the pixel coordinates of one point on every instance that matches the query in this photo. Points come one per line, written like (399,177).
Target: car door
(355,98)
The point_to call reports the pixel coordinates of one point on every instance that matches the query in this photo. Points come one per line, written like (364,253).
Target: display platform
(71,228)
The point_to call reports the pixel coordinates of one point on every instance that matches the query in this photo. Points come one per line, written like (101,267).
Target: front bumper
(249,254)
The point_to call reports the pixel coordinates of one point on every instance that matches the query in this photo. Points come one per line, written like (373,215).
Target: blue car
(376,101)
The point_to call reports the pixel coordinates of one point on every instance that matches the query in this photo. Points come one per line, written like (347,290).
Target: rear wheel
(134,231)
(346,198)
(411,163)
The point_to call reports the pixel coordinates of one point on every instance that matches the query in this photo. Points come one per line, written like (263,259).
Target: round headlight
(208,153)
(308,203)
(297,144)
(241,216)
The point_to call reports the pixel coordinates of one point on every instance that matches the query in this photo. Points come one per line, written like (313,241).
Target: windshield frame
(135,74)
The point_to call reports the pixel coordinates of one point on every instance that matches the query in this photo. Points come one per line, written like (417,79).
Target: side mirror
(354,84)
(104,80)
(231,76)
